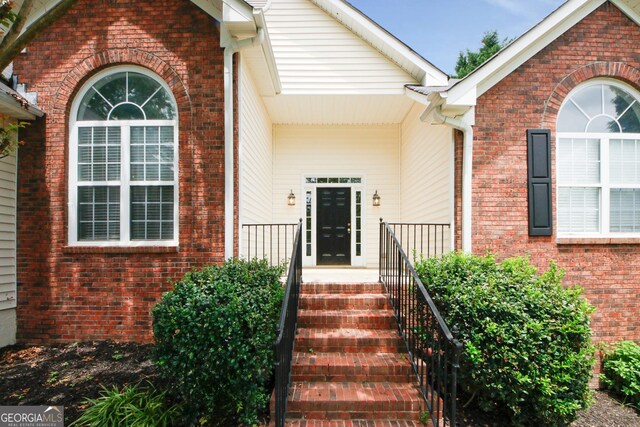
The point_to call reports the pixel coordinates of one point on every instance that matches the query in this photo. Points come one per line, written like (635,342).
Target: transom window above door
(598,161)
(123,178)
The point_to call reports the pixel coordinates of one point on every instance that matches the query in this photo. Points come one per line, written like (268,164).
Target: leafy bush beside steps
(214,333)
(527,349)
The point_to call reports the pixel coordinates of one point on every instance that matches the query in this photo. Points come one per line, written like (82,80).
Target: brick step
(342,288)
(357,319)
(354,401)
(353,367)
(354,423)
(348,341)
(344,302)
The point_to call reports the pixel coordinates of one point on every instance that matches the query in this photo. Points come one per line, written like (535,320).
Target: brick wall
(68,294)
(605,44)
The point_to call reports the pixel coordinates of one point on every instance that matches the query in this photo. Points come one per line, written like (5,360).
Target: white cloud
(524,8)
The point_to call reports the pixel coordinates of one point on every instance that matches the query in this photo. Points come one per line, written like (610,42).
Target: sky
(439,29)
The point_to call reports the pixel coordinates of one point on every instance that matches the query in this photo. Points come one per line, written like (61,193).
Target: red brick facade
(68,294)
(604,44)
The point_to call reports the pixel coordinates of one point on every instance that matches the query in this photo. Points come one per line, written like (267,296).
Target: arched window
(599,160)
(123,178)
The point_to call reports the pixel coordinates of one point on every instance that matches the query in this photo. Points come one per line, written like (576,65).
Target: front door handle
(349,228)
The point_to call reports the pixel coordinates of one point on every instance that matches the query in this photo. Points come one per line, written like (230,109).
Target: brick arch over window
(616,70)
(103,59)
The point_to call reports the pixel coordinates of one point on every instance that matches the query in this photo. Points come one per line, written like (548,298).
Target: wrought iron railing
(427,240)
(433,350)
(271,241)
(287,330)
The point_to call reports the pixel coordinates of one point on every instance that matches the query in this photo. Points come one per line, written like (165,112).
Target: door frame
(310,184)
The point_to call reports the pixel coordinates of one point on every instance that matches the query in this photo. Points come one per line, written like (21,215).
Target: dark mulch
(606,411)
(67,375)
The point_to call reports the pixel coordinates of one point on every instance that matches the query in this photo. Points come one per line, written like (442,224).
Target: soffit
(338,109)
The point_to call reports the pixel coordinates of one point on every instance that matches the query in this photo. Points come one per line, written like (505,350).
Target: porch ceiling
(338,109)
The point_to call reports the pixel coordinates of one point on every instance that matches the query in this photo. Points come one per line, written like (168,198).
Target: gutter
(19,106)
(229,184)
(467,167)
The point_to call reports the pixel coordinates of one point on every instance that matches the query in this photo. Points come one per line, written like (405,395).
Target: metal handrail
(270,241)
(283,345)
(423,240)
(433,350)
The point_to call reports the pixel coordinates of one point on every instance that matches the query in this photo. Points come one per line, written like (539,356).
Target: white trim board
(525,47)
(124,183)
(356,260)
(384,42)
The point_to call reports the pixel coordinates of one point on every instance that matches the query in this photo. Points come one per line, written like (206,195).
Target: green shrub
(214,335)
(132,407)
(527,349)
(621,371)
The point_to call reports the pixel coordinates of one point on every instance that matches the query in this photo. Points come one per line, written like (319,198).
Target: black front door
(334,226)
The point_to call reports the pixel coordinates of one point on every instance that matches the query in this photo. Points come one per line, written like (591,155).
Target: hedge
(214,334)
(621,371)
(527,348)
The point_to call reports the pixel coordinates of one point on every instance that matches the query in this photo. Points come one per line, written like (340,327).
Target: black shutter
(539,172)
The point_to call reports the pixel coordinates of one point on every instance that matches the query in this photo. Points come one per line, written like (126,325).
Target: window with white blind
(123,168)
(598,161)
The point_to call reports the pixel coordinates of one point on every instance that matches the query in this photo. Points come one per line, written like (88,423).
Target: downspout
(229,185)
(467,169)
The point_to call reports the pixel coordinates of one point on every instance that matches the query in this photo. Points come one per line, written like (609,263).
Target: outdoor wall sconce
(291,199)
(376,199)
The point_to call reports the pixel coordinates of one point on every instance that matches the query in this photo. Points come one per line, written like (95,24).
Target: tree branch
(18,24)
(14,42)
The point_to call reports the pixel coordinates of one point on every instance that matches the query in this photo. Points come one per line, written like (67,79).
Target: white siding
(317,55)
(426,171)
(7,327)
(8,233)
(255,155)
(371,152)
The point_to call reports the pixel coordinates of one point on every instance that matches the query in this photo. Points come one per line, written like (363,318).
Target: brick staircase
(350,366)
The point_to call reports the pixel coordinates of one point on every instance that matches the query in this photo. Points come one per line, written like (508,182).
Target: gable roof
(238,13)
(236,9)
(466,91)
(240,19)
(384,42)
(378,38)
(463,92)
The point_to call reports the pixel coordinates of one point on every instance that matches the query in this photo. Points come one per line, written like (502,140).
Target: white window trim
(356,261)
(125,182)
(604,186)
